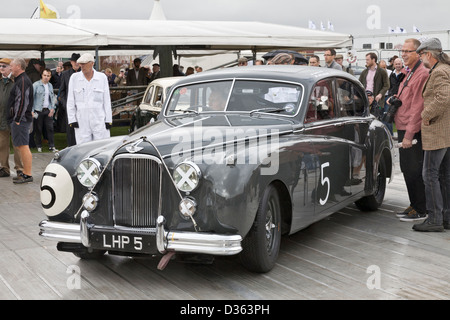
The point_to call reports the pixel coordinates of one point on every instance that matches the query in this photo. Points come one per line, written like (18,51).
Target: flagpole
(34,12)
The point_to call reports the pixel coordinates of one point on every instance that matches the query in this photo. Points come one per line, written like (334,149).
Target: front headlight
(88,172)
(187,176)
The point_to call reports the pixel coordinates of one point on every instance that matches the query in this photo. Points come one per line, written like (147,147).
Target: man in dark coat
(375,79)
(62,99)
(137,76)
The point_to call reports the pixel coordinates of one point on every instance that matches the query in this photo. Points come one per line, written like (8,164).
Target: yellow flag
(45,12)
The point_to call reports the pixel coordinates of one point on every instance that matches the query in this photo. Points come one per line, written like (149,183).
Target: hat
(5,61)
(339,56)
(75,57)
(242,59)
(122,70)
(85,58)
(430,44)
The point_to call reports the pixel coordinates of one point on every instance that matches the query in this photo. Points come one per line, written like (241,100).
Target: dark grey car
(237,158)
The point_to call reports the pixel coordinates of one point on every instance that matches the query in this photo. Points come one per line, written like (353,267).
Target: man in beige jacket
(436,136)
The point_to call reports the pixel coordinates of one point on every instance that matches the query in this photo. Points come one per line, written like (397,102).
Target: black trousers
(411,165)
(43,121)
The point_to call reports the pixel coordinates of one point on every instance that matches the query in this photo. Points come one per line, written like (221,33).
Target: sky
(362,17)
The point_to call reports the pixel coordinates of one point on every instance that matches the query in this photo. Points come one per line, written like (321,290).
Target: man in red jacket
(407,122)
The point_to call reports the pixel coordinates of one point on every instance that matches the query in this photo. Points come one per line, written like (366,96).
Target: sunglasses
(3,66)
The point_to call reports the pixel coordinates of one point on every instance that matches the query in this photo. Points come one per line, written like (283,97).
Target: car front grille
(136,190)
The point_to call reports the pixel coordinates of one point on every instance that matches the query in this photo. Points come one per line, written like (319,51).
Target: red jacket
(408,116)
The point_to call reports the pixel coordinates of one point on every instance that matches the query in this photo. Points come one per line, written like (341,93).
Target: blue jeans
(436,176)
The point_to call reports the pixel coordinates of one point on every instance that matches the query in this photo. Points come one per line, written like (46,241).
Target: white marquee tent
(105,34)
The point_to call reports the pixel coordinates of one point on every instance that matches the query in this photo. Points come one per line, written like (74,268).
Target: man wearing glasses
(329,56)
(436,136)
(407,121)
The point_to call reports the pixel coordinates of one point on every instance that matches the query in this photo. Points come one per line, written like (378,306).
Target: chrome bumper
(178,241)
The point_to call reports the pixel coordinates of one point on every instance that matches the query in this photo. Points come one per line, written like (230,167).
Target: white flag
(330,26)
(415,29)
(322,26)
(311,25)
(391,30)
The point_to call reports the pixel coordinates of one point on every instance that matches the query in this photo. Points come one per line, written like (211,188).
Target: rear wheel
(262,244)
(374,201)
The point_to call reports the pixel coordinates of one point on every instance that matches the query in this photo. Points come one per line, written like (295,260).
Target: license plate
(119,241)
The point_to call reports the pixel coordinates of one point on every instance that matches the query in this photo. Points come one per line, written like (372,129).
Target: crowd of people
(414,89)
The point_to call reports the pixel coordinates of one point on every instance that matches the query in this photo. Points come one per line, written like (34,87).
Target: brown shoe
(22,179)
(19,173)
(3,173)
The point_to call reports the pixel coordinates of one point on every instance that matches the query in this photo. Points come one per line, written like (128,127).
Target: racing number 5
(324,180)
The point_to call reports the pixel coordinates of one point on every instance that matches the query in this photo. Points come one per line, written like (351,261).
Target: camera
(395,103)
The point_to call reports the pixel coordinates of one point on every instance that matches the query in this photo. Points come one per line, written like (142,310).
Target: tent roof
(71,34)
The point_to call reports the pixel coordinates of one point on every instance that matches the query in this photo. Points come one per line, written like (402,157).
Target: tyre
(262,243)
(374,201)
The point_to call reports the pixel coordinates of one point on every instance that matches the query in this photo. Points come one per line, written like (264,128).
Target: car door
(351,104)
(332,150)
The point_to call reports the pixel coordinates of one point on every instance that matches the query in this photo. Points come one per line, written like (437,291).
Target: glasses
(3,66)
(407,51)
(423,52)
(327,55)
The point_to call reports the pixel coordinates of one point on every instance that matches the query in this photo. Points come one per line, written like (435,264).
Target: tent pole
(97,59)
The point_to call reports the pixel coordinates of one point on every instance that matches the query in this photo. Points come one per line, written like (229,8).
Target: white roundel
(56,189)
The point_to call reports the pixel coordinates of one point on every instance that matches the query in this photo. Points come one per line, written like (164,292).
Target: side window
(149,95)
(350,99)
(321,104)
(158,94)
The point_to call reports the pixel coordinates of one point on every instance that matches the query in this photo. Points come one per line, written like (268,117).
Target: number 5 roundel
(56,189)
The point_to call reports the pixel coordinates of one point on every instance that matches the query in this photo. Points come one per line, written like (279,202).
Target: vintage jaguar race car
(237,158)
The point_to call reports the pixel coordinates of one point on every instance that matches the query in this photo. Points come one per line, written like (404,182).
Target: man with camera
(407,107)
(436,136)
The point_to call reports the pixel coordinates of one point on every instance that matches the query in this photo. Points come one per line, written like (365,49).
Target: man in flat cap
(62,99)
(6,84)
(435,129)
(89,102)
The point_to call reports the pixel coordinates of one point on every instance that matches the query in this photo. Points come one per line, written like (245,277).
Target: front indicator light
(187,207)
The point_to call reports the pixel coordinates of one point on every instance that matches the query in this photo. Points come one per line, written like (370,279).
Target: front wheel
(262,243)
(374,201)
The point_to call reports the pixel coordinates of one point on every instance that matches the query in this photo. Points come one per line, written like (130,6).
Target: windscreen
(237,96)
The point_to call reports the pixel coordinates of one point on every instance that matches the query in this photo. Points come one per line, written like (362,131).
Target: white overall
(89,104)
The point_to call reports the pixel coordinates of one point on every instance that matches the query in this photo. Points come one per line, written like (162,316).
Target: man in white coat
(89,102)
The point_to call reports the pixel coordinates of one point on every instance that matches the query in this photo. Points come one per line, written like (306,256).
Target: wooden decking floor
(349,255)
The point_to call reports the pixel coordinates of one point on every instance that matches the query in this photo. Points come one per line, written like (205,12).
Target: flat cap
(85,58)
(430,44)
(5,61)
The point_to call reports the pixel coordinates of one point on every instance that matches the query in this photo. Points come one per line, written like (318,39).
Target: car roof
(293,73)
(164,82)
